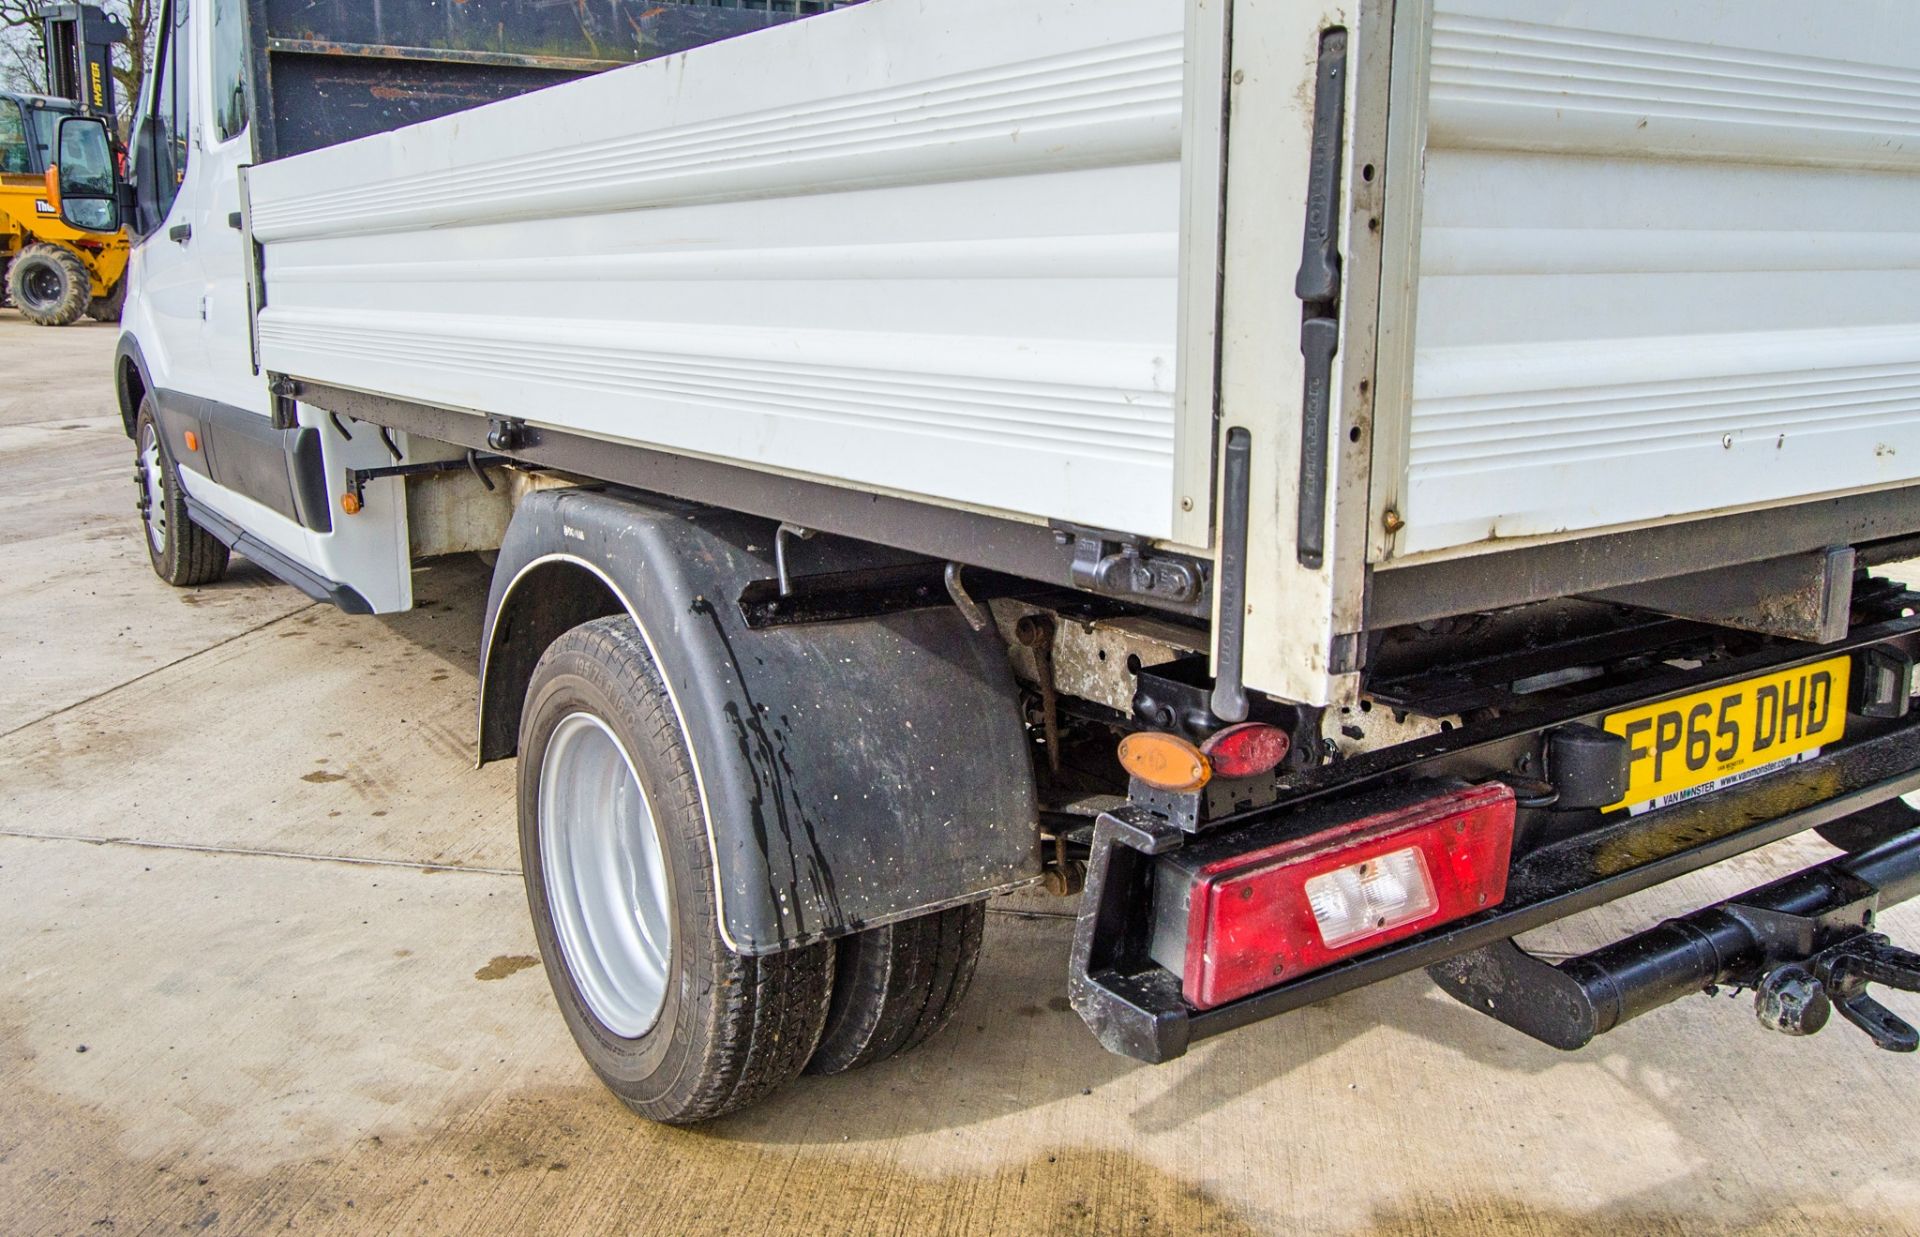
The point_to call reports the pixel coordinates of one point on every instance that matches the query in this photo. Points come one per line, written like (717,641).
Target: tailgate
(1668,264)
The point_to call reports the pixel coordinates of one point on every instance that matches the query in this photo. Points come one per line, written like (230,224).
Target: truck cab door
(218,246)
(188,307)
(166,316)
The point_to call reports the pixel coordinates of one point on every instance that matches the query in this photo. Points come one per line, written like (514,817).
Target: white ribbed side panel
(1670,263)
(949,270)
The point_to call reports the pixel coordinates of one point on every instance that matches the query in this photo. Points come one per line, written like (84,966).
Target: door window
(172,115)
(14,156)
(229,65)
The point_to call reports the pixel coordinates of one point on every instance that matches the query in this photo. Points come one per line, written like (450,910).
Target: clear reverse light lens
(1371,896)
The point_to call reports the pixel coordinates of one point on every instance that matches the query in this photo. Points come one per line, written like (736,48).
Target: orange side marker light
(1165,761)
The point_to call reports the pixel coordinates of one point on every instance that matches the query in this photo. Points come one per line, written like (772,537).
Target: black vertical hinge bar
(1318,282)
(1318,287)
(1319,340)
(1229,682)
(256,267)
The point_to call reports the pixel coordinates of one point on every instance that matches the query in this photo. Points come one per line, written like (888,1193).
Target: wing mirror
(84,184)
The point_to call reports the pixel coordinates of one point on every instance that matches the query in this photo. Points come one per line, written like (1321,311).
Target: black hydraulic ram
(1804,943)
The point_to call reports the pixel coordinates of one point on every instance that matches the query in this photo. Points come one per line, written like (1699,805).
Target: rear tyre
(182,553)
(49,285)
(895,986)
(107,308)
(619,875)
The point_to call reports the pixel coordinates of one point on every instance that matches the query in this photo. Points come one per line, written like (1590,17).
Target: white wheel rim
(153,488)
(605,871)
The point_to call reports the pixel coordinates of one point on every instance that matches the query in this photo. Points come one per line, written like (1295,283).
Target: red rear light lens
(1246,750)
(1257,919)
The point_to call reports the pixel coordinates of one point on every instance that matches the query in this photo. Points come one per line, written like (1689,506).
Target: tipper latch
(1118,565)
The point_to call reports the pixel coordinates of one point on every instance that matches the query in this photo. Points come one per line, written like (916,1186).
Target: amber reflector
(1164,761)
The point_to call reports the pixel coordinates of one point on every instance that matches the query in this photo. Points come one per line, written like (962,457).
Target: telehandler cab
(51,271)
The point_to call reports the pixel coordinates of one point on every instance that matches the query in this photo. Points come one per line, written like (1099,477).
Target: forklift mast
(80,39)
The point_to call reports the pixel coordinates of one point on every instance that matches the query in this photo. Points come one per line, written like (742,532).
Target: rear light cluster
(1273,912)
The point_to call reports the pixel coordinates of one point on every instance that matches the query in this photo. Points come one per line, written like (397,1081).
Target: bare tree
(23,59)
(130,62)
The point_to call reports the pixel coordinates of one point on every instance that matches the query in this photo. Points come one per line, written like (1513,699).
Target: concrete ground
(265,965)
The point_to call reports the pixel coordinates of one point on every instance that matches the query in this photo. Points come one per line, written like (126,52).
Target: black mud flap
(855,772)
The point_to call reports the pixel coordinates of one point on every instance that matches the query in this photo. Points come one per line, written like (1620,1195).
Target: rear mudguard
(852,773)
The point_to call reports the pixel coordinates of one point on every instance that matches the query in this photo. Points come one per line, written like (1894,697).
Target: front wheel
(49,285)
(620,881)
(182,553)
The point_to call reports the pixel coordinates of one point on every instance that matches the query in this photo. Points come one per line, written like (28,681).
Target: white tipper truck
(1336,484)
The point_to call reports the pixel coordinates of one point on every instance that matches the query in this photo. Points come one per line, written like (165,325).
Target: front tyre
(182,553)
(619,875)
(49,285)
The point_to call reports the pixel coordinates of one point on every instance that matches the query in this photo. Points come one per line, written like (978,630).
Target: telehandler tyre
(182,553)
(107,308)
(620,880)
(49,285)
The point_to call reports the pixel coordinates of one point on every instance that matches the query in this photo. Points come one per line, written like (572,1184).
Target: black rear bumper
(1571,862)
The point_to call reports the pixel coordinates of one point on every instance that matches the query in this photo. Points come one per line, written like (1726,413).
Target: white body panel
(1668,264)
(921,246)
(1608,264)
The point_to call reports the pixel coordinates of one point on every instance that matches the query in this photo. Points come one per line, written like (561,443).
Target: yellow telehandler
(54,273)
(50,272)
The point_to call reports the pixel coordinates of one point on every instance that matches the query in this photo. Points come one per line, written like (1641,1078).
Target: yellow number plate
(1713,739)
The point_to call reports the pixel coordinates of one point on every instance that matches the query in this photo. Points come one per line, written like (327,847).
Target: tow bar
(1805,944)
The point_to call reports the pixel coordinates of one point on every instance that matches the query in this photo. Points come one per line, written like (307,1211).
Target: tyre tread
(193,556)
(899,985)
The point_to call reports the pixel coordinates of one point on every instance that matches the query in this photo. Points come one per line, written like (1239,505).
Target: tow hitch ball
(1797,998)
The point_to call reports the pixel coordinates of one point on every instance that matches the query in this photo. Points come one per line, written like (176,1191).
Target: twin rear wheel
(620,879)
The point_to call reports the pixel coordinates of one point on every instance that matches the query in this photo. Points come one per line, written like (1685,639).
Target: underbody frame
(1565,861)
